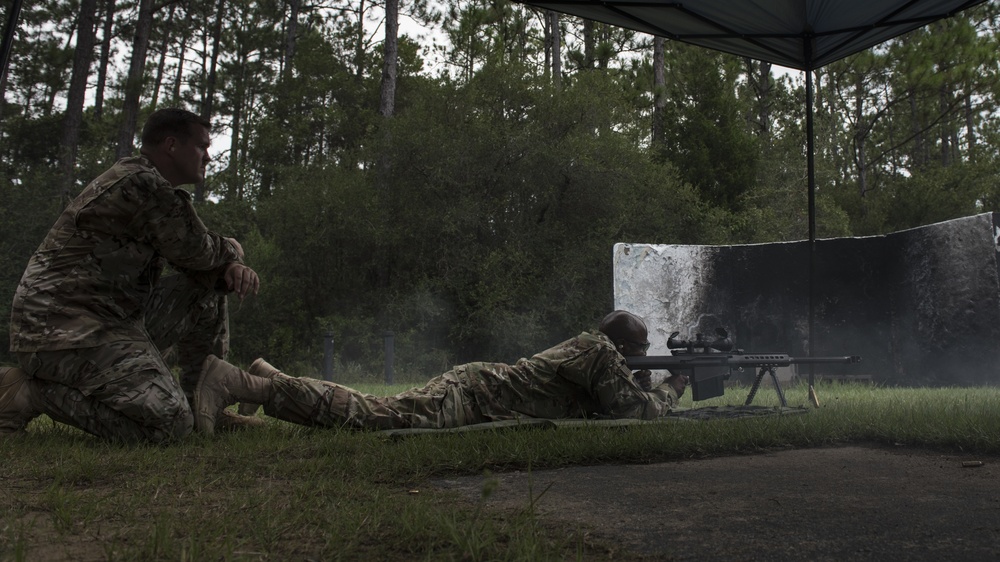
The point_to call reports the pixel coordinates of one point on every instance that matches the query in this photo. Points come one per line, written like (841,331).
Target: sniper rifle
(708,363)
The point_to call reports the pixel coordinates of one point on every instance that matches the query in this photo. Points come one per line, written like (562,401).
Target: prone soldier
(583,377)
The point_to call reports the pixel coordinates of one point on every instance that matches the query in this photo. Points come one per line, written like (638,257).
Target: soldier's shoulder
(594,339)
(134,165)
(600,347)
(143,175)
(583,344)
(133,171)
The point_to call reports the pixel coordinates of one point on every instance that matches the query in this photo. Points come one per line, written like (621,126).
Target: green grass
(294,493)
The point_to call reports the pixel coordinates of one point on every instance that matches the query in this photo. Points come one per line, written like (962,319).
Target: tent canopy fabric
(801,34)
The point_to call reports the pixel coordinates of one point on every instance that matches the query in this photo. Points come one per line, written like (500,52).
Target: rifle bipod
(756,384)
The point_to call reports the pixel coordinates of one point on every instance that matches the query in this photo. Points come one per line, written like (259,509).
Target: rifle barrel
(692,360)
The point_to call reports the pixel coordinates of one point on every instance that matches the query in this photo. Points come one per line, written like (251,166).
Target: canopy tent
(800,34)
(8,37)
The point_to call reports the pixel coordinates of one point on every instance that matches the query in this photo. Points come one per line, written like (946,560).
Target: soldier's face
(191,156)
(636,343)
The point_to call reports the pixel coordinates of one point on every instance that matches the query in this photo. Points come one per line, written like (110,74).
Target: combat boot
(15,401)
(221,385)
(259,368)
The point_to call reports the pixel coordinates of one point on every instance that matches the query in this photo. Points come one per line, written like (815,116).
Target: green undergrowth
(293,493)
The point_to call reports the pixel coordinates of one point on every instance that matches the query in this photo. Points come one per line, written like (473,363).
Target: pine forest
(457,172)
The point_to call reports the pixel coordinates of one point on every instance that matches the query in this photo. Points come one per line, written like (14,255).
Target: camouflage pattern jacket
(584,377)
(90,280)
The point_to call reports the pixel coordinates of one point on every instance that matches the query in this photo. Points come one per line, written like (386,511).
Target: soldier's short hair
(170,122)
(620,325)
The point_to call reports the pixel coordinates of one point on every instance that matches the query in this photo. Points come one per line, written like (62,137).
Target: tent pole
(811,171)
(8,37)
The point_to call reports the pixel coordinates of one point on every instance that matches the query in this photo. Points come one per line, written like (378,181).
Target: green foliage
(706,135)
(514,241)
(936,194)
(898,120)
(32,145)
(309,246)
(478,222)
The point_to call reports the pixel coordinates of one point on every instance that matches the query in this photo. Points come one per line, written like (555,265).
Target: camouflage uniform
(583,377)
(91,315)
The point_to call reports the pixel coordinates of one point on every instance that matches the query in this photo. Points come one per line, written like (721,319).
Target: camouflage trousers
(450,400)
(124,390)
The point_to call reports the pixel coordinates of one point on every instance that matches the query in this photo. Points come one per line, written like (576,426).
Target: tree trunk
(861,131)
(588,44)
(236,183)
(299,150)
(759,76)
(970,128)
(387,105)
(13,15)
(208,102)
(75,96)
(51,88)
(603,55)
(945,126)
(556,51)
(102,65)
(387,98)
(181,51)
(659,91)
(919,156)
(239,95)
(164,45)
(547,40)
(133,83)
(359,44)
(290,35)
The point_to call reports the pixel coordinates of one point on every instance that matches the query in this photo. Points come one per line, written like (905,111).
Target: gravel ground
(844,503)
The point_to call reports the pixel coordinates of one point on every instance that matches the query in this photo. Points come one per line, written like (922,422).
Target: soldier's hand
(644,379)
(241,280)
(679,383)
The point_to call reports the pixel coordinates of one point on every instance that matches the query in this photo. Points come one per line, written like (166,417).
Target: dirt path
(848,503)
